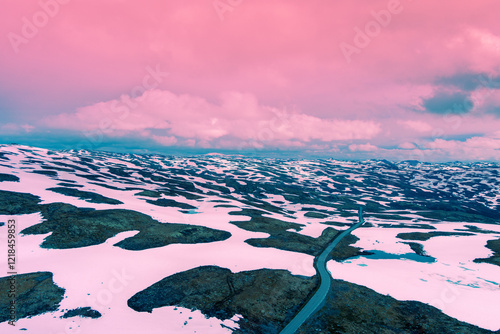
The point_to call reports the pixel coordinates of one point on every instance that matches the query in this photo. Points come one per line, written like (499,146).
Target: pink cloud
(475,148)
(363,147)
(407,146)
(184,117)
(419,126)
(13,128)
(90,51)
(471,143)
(165,140)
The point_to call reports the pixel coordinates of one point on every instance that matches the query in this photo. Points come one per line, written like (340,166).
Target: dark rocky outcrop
(35,293)
(266,298)
(8,178)
(494,245)
(355,309)
(73,227)
(84,312)
(85,195)
(424,236)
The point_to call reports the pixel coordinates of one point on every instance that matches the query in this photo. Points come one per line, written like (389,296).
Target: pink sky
(389,79)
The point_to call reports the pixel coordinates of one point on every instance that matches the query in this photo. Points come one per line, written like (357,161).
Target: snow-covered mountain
(121,233)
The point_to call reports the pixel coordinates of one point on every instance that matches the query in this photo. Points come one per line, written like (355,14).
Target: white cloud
(238,116)
(363,147)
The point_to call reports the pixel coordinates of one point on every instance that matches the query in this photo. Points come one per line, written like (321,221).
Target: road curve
(319,296)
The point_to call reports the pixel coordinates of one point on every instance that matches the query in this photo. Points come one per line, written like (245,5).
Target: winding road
(319,296)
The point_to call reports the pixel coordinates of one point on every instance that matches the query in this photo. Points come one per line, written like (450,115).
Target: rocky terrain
(265,298)
(354,309)
(35,293)
(220,244)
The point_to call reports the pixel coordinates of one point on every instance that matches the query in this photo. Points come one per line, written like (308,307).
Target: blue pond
(378,255)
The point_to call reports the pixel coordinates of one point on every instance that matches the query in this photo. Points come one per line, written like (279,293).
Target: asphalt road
(318,298)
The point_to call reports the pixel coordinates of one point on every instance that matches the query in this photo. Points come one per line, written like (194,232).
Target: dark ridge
(8,178)
(170,203)
(85,195)
(14,203)
(45,172)
(64,184)
(73,227)
(105,185)
(59,169)
(494,245)
(91,177)
(423,236)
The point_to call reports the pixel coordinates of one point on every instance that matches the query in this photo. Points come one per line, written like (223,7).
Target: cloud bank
(234,120)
